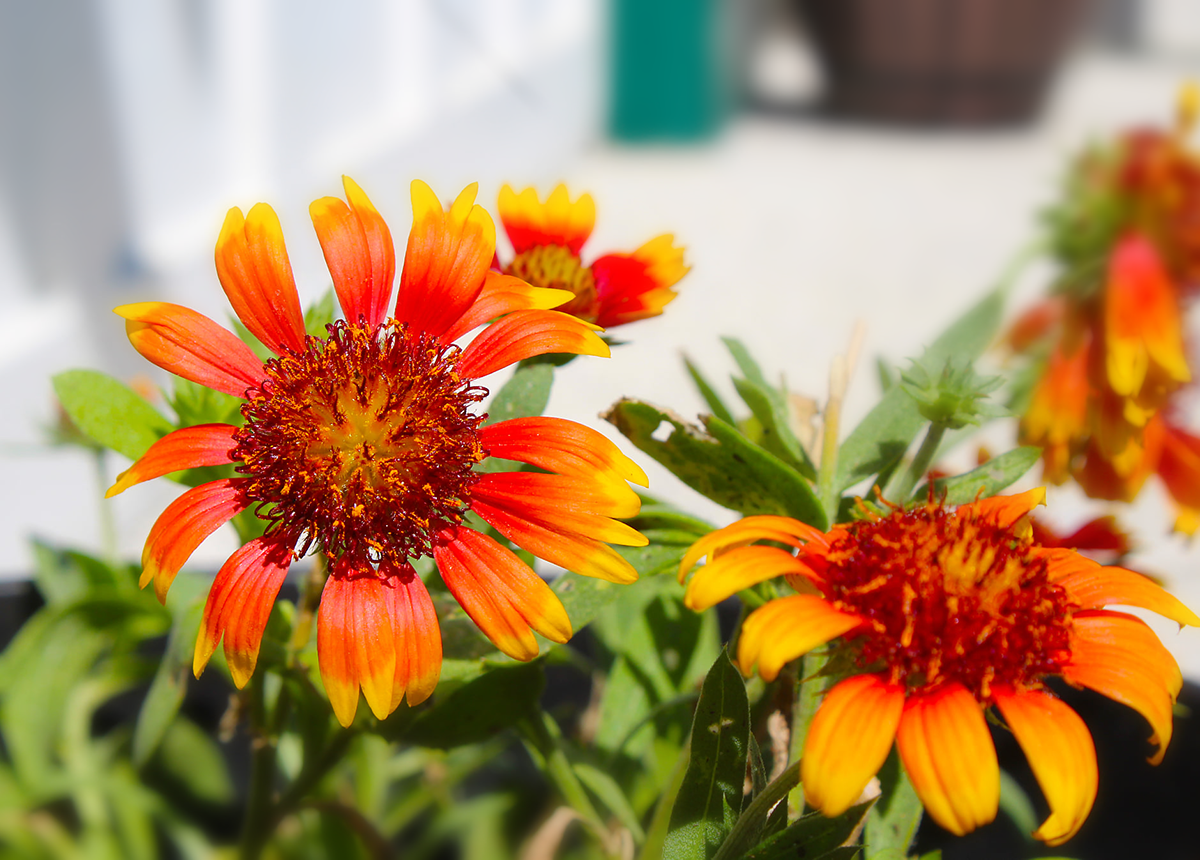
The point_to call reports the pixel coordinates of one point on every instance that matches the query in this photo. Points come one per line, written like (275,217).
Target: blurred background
(824,162)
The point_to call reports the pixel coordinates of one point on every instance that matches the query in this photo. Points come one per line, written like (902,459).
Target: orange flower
(365,444)
(947,612)
(1057,415)
(616,288)
(1179,468)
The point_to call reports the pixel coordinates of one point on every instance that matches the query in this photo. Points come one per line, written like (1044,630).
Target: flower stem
(260,820)
(900,491)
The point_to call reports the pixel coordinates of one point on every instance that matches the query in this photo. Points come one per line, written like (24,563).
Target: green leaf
(715,404)
(194,404)
(770,408)
(524,395)
(479,709)
(812,836)
(246,336)
(110,412)
(881,439)
(191,758)
(609,793)
(893,820)
(984,481)
(710,798)
(319,315)
(745,363)
(1015,803)
(174,670)
(720,464)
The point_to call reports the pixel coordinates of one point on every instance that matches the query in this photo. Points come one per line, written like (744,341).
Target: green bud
(954,397)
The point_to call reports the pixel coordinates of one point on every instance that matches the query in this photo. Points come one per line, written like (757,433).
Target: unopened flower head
(366,444)
(946,612)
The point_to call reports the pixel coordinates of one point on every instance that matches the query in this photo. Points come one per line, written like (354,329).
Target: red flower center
(363,443)
(949,598)
(558,268)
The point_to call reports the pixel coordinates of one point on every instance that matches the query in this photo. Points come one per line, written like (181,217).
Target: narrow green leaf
(110,412)
(477,710)
(881,438)
(525,394)
(893,820)
(710,798)
(715,404)
(720,463)
(814,836)
(1015,803)
(986,480)
(192,759)
(319,315)
(609,793)
(746,364)
(770,408)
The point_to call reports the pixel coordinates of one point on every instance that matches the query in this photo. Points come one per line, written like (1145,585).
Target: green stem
(542,738)
(919,466)
(810,687)
(313,772)
(260,820)
(748,828)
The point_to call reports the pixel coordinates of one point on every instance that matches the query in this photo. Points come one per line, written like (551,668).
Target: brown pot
(956,62)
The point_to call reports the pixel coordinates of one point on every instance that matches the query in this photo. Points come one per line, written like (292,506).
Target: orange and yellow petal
(562,446)
(502,294)
(583,555)
(750,529)
(186,448)
(848,741)
(1119,476)
(1057,416)
(1060,751)
(630,287)
(253,267)
(358,251)
(1142,323)
(183,526)
(737,569)
(1179,468)
(192,346)
(416,633)
(524,334)
(546,497)
(1093,586)
(950,759)
(449,254)
(505,599)
(787,628)
(1119,656)
(1006,511)
(530,223)
(239,605)
(355,643)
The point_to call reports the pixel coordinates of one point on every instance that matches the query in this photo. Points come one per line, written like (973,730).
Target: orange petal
(1058,409)
(582,555)
(186,448)
(1119,656)
(1004,511)
(503,294)
(239,604)
(359,252)
(1061,754)
(504,598)
(530,223)
(1094,586)
(558,445)
(737,569)
(749,529)
(555,494)
(549,511)
(449,253)
(355,643)
(418,638)
(524,334)
(183,526)
(787,628)
(848,741)
(949,757)
(635,286)
(253,267)
(1179,467)
(192,346)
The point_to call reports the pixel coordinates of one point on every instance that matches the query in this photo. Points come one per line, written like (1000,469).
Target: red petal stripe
(524,334)
(192,346)
(239,604)
(186,448)
(253,267)
(183,526)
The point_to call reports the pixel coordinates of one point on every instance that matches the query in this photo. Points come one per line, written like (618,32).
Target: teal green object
(669,70)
